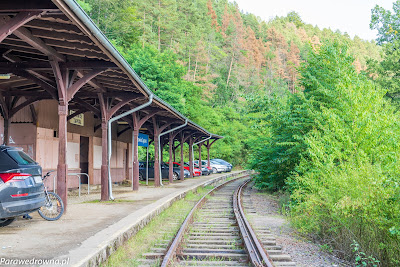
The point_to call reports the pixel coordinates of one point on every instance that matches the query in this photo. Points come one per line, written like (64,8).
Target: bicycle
(54,207)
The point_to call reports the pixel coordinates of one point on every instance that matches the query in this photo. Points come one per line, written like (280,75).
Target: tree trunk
(195,69)
(230,69)
(189,63)
(159,26)
(144,27)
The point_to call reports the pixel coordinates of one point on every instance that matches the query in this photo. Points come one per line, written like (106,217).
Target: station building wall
(84,151)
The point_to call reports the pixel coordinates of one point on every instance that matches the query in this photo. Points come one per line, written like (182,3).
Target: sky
(351,16)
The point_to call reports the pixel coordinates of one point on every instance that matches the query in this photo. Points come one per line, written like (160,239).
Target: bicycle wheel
(53,209)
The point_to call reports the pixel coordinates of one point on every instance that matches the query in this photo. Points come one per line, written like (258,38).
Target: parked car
(204,164)
(217,167)
(204,169)
(164,171)
(21,185)
(196,171)
(214,166)
(223,162)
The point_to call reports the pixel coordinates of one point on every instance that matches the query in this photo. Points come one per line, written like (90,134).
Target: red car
(196,171)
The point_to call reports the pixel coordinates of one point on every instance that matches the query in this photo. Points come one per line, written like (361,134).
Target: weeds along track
(216,233)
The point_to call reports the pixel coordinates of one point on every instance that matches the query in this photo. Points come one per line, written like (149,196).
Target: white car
(216,167)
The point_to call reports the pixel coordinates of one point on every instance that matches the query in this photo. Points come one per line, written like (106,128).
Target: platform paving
(90,230)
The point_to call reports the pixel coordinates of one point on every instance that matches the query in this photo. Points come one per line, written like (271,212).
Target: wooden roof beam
(45,85)
(31,5)
(11,24)
(37,43)
(73,89)
(73,65)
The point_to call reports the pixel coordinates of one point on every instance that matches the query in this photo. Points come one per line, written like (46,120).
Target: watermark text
(34,261)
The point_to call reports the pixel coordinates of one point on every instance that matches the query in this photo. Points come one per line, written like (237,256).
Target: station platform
(91,230)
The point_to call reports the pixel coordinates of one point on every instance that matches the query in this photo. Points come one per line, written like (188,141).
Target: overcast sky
(351,16)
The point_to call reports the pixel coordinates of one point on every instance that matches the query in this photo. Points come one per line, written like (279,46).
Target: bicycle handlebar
(47,174)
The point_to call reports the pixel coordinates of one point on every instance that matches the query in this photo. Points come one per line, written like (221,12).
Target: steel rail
(258,257)
(169,256)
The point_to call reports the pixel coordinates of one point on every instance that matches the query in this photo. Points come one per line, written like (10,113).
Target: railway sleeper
(237,242)
(159,250)
(213,250)
(280,257)
(153,255)
(215,229)
(214,256)
(210,263)
(216,246)
(213,235)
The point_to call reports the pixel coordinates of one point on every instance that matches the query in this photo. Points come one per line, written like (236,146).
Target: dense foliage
(312,110)
(335,148)
(210,61)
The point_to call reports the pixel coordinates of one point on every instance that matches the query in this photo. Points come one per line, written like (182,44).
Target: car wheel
(214,170)
(175,176)
(5,222)
(141,177)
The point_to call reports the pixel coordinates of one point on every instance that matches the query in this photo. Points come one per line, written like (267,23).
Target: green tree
(388,70)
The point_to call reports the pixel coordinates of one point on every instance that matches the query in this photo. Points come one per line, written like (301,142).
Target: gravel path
(302,251)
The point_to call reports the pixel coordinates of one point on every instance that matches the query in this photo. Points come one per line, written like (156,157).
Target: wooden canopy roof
(37,34)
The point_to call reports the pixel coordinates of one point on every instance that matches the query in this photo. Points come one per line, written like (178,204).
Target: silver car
(216,167)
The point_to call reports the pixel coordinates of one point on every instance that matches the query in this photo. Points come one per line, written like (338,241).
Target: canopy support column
(182,160)
(135,159)
(104,161)
(170,162)
(137,124)
(191,170)
(62,167)
(200,165)
(157,177)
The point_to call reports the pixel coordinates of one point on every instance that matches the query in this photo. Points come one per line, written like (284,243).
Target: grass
(155,232)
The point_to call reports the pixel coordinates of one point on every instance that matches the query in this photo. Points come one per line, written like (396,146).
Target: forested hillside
(314,111)
(210,61)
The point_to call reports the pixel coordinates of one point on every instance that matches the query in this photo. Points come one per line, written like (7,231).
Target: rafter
(11,24)
(115,108)
(71,91)
(88,106)
(45,85)
(35,42)
(27,102)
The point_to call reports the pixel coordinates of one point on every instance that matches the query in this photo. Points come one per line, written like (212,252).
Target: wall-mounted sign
(5,76)
(143,140)
(78,119)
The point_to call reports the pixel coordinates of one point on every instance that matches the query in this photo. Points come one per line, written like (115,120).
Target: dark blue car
(164,171)
(21,185)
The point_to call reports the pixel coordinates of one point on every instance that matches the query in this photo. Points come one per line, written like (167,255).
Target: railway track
(217,233)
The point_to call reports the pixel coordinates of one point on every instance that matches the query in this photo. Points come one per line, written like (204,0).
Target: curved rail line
(257,255)
(255,252)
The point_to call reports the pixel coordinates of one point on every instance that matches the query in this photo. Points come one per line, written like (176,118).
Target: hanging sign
(78,119)
(143,140)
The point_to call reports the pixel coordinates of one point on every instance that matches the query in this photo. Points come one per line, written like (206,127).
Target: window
(20,157)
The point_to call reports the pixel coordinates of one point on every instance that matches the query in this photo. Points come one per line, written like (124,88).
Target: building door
(84,157)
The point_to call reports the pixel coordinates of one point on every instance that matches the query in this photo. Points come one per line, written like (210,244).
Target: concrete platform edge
(96,249)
